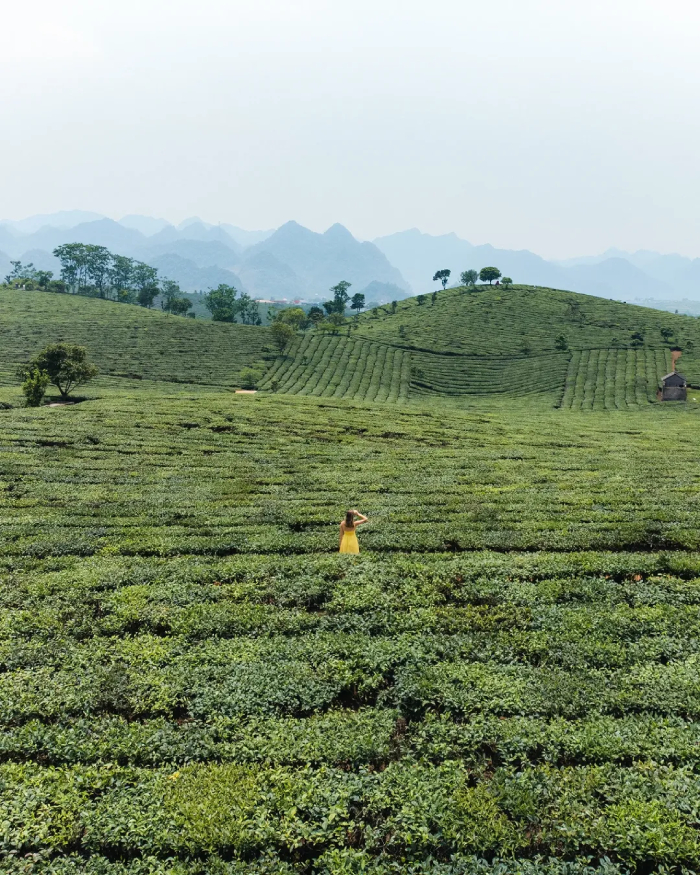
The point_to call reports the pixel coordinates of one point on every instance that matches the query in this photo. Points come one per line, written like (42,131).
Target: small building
(673,387)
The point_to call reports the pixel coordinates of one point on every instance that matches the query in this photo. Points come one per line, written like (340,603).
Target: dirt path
(675,355)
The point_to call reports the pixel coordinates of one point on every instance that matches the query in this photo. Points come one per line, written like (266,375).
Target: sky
(561,127)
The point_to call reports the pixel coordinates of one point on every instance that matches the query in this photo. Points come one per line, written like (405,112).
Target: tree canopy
(65,364)
(442,276)
(489,274)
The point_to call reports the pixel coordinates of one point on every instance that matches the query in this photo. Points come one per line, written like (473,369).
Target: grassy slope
(189,673)
(125,340)
(493,340)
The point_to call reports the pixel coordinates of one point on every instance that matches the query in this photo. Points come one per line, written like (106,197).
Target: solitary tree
(433,298)
(506,282)
(667,334)
(282,333)
(221,303)
(561,342)
(469,277)
(489,274)
(65,365)
(421,300)
(358,302)
(442,276)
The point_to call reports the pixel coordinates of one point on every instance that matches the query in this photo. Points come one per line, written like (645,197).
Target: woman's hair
(350,519)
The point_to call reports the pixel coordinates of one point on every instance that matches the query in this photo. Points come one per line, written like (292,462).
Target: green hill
(128,341)
(576,351)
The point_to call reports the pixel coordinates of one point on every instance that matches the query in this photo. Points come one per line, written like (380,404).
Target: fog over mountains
(293,262)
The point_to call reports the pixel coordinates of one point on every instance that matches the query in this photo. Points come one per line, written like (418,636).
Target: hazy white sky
(554,125)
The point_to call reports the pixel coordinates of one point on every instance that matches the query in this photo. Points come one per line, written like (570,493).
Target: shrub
(250,377)
(34,387)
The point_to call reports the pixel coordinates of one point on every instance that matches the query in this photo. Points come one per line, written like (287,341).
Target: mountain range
(293,262)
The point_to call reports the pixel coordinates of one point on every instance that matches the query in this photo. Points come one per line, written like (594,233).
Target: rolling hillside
(129,341)
(573,350)
(458,347)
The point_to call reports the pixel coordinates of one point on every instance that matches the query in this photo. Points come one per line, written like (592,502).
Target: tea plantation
(574,351)
(193,680)
(129,341)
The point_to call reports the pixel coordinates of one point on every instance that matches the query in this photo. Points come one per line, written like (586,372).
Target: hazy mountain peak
(61,219)
(147,225)
(338,232)
(193,220)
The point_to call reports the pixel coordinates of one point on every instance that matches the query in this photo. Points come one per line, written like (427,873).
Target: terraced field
(497,321)
(193,681)
(614,379)
(124,340)
(333,366)
(489,342)
(488,375)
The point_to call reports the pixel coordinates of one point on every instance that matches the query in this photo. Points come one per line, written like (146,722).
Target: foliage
(442,276)
(561,342)
(340,298)
(132,342)
(489,274)
(221,303)
(316,315)
(65,365)
(282,333)
(172,300)
(506,282)
(358,302)
(34,386)
(293,316)
(506,680)
(250,377)
(469,277)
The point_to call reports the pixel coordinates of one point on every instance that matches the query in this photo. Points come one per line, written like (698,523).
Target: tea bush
(506,681)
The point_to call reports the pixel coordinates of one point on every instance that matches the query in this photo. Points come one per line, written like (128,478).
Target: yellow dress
(349,542)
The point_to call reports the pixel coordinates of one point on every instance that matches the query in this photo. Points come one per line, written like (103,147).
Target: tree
(433,298)
(340,296)
(469,277)
(442,276)
(637,338)
(21,272)
(394,305)
(421,300)
(180,306)
(489,274)
(316,315)
(506,282)
(65,364)
(667,334)
(99,263)
(250,377)
(358,302)
(74,265)
(170,292)
(281,334)
(294,316)
(121,275)
(561,342)
(145,281)
(43,279)
(34,386)
(221,303)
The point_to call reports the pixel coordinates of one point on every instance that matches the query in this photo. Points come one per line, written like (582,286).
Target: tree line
(469,277)
(95,272)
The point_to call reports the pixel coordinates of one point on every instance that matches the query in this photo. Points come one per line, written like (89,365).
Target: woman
(348,538)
